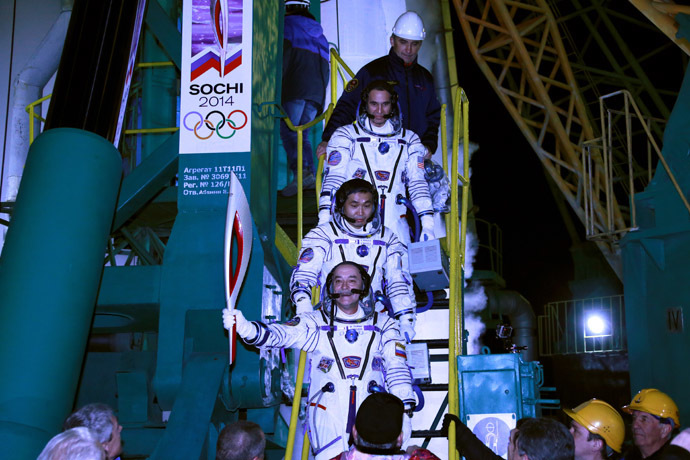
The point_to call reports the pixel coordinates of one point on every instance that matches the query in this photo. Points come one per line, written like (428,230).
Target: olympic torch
(219,15)
(238,233)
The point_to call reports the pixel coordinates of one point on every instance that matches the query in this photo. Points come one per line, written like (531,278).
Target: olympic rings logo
(214,121)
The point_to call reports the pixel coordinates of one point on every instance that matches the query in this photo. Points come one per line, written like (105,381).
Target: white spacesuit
(388,156)
(373,246)
(350,356)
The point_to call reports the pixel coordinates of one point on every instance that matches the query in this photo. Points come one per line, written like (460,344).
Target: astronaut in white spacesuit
(378,149)
(356,234)
(353,351)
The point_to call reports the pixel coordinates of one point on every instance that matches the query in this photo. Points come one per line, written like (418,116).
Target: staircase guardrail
(578,326)
(608,229)
(456,242)
(336,64)
(456,237)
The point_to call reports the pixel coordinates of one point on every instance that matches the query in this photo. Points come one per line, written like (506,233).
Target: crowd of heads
(90,433)
(78,443)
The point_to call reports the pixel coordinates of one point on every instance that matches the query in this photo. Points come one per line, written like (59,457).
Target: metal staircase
(441,396)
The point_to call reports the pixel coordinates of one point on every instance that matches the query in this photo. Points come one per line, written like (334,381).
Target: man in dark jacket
(468,445)
(421,111)
(305,75)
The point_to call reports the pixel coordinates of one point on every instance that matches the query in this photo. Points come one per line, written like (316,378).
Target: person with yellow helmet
(597,428)
(655,417)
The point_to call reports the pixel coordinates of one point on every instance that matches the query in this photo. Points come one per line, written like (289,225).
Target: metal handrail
(336,63)
(591,193)
(457,238)
(32,115)
(457,257)
(335,67)
(294,415)
(30,109)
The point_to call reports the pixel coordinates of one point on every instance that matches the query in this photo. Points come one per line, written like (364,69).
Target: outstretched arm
(467,444)
(302,331)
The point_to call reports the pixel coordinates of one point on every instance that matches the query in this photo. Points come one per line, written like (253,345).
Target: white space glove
(407,323)
(303,304)
(244,328)
(409,404)
(427,228)
(324,216)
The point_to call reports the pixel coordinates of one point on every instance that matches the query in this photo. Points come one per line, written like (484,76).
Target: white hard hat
(410,26)
(304,3)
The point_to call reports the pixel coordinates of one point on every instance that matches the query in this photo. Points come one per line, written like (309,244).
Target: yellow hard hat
(600,418)
(654,402)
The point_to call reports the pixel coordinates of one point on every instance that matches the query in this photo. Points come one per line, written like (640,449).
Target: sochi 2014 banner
(215,99)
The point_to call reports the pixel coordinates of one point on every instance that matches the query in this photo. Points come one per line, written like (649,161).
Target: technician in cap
(597,428)
(305,76)
(378,431)
(655,417)
(421,111)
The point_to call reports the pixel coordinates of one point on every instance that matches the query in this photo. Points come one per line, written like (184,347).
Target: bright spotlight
(597,324)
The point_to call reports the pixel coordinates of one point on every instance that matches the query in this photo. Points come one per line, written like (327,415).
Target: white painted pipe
(27,88)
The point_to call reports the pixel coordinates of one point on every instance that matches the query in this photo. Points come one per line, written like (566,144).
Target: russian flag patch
(400,350)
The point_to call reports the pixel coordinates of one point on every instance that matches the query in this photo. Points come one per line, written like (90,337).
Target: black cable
(9,93)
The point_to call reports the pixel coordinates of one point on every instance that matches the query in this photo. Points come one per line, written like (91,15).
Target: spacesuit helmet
(340,198)
(394,117)
(366,302)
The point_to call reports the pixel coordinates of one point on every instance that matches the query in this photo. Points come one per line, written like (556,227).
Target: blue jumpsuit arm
(433,118)
(345,111)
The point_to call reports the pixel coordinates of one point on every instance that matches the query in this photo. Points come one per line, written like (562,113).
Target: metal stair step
(433,343)
(427,434)
(433,386)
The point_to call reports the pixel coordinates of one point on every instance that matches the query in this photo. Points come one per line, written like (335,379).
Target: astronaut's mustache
(336,295)
(386,116)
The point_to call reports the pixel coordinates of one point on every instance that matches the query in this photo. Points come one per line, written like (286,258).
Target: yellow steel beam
(662,15)
(518,47)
